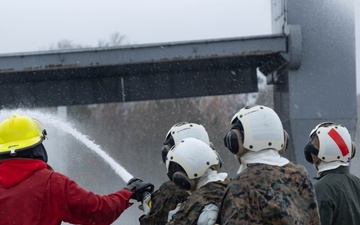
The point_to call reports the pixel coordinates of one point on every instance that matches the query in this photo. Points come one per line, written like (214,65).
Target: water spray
(67,128)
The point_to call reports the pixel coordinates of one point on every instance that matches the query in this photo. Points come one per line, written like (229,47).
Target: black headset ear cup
(233,141)
(353,149)
(182,180)
(164,151)
(286,143)
(309,151)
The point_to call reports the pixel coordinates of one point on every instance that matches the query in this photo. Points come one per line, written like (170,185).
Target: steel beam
(134,73)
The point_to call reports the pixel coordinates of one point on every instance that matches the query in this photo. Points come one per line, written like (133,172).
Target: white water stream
(49,119)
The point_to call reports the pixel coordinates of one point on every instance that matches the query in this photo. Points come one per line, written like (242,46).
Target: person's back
(271,195)
(192,166)
(269,189)
(31,193)
(338,192)
(166,198)
(24,193)
(39,195)
(169,195)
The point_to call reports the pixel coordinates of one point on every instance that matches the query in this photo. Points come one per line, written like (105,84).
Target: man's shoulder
(213,187)
(169,189)
(258,170)
(170,186)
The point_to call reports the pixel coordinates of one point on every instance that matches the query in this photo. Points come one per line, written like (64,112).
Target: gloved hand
(146,203)
(208,215)
(139,188)
(173,212)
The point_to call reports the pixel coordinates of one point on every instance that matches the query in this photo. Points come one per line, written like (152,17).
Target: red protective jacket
(31,193)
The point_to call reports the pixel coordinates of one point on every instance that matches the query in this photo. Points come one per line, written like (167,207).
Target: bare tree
(115,39)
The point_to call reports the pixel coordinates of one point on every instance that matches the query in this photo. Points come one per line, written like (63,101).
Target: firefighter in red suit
(32,193)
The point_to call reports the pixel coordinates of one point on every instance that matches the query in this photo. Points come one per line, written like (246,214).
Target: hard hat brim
(19,145)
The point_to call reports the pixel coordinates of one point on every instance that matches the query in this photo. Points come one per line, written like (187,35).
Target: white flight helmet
(256,128)
(184,129)
(188,161)
(180,131)
(334,143)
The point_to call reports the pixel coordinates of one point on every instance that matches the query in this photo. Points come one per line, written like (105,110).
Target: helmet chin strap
(242,167)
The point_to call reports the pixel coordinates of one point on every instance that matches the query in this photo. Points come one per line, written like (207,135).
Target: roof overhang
(134,73)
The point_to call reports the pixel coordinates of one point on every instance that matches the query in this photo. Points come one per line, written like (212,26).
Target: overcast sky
(33,25)
(40,24)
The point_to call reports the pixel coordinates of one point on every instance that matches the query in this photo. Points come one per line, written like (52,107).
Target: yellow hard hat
(20,132)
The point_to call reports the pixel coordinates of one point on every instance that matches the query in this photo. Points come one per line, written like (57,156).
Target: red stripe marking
(339,141)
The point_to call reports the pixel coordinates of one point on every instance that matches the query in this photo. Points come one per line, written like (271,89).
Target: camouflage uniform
(265,194)
(210,193)
(163,200)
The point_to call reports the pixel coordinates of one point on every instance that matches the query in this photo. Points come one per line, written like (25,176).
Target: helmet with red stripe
(329,142)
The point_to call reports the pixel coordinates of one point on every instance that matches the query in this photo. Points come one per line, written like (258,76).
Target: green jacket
(338,195)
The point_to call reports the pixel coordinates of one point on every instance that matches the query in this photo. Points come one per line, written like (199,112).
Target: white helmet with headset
(255,128)
(188,160)
(183,130)
(329,142)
